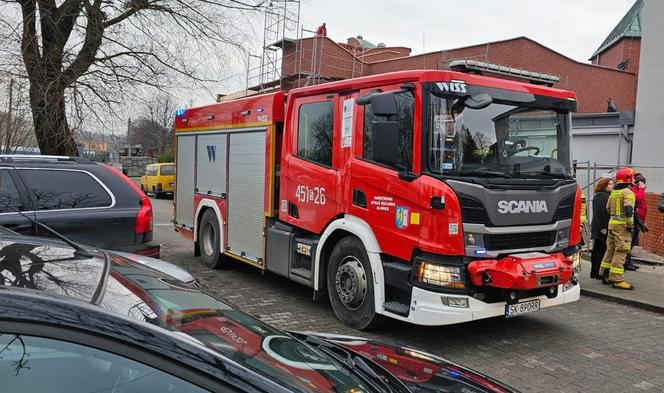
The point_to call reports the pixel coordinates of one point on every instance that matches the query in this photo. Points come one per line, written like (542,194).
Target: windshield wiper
(545,173)
(486,172)
(384,383)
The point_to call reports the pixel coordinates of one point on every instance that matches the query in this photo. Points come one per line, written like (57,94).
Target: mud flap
(522,271)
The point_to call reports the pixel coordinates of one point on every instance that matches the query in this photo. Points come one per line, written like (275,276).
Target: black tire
(347,268)
(209,241)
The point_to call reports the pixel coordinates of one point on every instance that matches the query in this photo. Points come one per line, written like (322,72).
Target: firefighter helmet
(625,175)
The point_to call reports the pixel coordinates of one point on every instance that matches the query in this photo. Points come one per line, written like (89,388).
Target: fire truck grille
(512,241)
(565,209)
(473,211)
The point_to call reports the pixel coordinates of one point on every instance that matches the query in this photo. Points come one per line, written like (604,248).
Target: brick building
(316,59)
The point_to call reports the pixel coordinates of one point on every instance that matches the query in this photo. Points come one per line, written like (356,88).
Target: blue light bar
(480,251)
(180,112)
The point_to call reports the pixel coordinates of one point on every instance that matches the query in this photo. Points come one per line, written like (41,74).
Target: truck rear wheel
(350,285)
(209,240)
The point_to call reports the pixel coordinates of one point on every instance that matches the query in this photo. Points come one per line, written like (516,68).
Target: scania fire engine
(433,197)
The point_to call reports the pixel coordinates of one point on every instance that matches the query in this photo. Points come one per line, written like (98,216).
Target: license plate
(512,310)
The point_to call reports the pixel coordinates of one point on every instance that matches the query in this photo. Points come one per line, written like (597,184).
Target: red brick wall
(593,85)
(653,241)
(626,48)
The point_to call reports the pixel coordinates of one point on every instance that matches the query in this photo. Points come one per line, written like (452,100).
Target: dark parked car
(83,320)
(89,202)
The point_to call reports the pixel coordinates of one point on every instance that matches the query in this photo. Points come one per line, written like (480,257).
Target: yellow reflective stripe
(616,222)
(605,265)
(617,270)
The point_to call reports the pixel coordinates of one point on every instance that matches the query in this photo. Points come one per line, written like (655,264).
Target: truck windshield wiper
(382,383)
(486,172)
(546,174)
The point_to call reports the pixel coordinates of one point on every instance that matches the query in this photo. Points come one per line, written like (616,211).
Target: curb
(645,261)
(627,302)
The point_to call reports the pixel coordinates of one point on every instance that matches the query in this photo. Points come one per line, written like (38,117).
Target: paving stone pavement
(589,346)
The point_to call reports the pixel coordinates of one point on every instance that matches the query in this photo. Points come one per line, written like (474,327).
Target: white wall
(649,125)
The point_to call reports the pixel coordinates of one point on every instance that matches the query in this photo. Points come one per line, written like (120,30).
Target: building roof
(629,26)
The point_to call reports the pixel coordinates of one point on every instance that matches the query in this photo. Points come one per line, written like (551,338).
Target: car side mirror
(385,138)
(478,101)
(382,104)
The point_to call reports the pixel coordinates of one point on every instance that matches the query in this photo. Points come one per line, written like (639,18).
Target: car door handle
(359,198)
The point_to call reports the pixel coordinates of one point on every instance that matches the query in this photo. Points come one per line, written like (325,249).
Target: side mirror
(385,138)
(382,104)
(478,101)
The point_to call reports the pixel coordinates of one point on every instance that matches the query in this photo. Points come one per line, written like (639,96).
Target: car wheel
(209,241)
(350,286)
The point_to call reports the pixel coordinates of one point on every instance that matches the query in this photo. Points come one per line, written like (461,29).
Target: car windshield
(155,298)
(504,139)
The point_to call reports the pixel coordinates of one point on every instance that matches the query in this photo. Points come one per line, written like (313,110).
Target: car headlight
(440,275)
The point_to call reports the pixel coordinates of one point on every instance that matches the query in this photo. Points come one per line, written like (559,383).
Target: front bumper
(427,308)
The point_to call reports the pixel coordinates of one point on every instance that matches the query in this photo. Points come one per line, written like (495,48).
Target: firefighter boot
(605,277)
(623,285)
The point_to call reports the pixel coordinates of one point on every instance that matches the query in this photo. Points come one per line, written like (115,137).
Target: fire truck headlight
(576,261)
(440,275)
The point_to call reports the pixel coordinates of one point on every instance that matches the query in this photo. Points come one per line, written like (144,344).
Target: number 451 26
(306,194)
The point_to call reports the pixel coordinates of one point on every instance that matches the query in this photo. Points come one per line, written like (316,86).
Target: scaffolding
(306,62)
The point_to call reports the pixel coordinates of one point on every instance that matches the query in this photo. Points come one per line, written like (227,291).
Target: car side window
(56,189)
(167,170)
(9,194)
(406,109)
(29,363)
(314,132)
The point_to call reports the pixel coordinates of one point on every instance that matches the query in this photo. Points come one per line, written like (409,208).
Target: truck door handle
(359,198)
(292,210)
(437,202)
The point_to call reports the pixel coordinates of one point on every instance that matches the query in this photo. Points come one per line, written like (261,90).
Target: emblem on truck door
(516,207)
(212,153)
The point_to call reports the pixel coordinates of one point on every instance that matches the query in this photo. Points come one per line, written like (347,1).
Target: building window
(406,109)
(314,133)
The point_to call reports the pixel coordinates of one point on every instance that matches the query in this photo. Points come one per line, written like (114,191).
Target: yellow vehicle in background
(159,179)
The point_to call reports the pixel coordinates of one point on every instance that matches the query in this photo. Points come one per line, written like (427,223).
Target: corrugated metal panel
(184,178)
(211,169)
(246,190)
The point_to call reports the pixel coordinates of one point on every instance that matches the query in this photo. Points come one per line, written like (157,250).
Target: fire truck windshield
(505,139)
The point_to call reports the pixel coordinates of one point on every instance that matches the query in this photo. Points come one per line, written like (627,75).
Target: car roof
(20,306)
(51,266)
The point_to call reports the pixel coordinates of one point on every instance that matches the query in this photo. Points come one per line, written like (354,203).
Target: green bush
(166,156)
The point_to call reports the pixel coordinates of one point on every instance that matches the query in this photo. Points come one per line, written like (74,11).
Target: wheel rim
(208,239)
(351,283)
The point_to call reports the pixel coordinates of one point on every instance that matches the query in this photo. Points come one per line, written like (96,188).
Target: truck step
(402,267)
(397,308)
(301,272)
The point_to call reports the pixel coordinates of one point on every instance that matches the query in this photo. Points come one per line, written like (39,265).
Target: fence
(587,174)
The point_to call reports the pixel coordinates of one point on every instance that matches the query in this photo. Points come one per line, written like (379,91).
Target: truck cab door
(386,195)
(309,173)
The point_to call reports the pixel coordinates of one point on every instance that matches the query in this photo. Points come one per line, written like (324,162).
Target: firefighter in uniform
(621,221)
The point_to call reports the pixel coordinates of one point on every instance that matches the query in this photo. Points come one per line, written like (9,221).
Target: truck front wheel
(350,284)
(209,240)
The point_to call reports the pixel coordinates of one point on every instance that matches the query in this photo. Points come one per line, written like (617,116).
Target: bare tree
(16,129)
(92,53)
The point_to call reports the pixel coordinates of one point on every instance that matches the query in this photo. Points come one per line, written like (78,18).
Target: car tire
(209,240)
(350,285)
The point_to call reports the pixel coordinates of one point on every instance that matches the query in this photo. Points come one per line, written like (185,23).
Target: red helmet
(625,175)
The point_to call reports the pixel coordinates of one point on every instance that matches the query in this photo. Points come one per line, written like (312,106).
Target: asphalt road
(588,346)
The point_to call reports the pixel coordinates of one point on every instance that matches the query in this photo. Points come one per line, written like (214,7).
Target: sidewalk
(648,283)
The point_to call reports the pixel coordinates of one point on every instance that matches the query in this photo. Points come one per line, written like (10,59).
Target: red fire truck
(433,197)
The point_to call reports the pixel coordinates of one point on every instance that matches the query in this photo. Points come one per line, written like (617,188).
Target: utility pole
(128,143)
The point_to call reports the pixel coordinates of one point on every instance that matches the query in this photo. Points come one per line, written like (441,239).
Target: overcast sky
(573,27)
